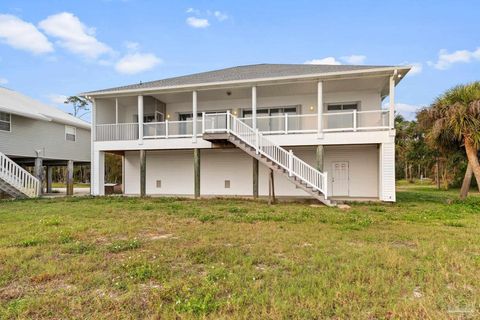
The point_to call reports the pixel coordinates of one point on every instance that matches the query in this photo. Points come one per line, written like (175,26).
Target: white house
(33,134)
(320,128)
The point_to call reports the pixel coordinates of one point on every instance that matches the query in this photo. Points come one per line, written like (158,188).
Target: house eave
(403,70)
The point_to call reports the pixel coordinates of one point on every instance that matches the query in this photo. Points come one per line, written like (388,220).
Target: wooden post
(319,158)
(70,178)
(255,178)
(271,188)
(38,172)
(196,172)
(143,173)
(49,179)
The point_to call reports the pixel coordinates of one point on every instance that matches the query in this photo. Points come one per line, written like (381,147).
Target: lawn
(75,185)
(130,258)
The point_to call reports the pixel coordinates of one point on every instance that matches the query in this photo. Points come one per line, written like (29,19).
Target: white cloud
(445,59)
(417,68)
(221,16)
(327,60)
(3,81)
(57,98)
(408,111)
(354,59)
(137,62)
(197,22)
(74,35)
(131,45)
(193,11)
(23,35)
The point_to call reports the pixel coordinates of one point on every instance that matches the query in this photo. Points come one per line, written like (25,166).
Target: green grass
(75,185)
(130,258)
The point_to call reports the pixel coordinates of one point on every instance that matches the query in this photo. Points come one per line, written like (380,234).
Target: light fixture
(168,116)
(311,108)
(399,75)
(234,112)
(229,93)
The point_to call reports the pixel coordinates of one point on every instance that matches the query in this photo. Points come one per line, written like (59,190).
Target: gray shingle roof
(249,72)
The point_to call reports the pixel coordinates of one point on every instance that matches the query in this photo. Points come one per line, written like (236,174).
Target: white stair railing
(18,177)
(212,123)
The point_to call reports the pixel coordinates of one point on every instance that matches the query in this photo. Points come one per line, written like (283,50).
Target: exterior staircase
(16,181)
(227,127)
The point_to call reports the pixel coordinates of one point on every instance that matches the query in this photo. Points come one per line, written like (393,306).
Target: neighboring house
(33,134)
(197,134)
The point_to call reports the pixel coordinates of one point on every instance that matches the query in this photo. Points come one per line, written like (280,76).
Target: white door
(340,178)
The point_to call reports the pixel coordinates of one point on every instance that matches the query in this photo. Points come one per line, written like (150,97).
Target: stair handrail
(18,177)
(264,146)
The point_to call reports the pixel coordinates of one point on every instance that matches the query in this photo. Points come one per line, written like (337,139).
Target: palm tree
(455,117)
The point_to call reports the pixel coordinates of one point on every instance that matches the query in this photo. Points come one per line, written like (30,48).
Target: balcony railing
(371,120)
(114,132)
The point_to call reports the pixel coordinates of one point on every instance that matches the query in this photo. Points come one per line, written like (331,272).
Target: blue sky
(55,48)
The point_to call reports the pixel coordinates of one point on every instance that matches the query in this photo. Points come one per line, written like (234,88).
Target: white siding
(175,170)
(363,168)
(28,135)
(226,164)
(387,157)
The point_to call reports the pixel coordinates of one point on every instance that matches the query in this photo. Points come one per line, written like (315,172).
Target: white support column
(254,107)
(194,116)
(320,109)
(98,173)
(116,119)
(140,119)
(391,95)
(116,110)
(92,144)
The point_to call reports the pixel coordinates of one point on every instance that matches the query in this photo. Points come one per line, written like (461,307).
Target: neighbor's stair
(16,181)
(270,154)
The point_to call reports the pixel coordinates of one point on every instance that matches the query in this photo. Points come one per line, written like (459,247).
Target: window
(342,106)
(70,133)
(274,111)
(5,121)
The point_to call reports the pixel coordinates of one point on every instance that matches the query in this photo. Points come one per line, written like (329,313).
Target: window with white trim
(5,121)
(70,133)
(335,107)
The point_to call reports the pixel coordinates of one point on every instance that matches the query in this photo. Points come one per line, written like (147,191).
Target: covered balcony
(277,109)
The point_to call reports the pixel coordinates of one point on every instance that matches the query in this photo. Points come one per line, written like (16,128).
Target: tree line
(442,143)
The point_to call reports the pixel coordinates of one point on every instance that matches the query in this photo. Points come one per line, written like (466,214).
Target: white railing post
(166,129)
(354,120)
(325,185)
(228,120)
(286,123)
(257,140)
(203,122)
(290,163)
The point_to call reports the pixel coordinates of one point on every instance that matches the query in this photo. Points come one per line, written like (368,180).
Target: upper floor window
(273,111)
(70,133)
(5,121)
(342,106)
